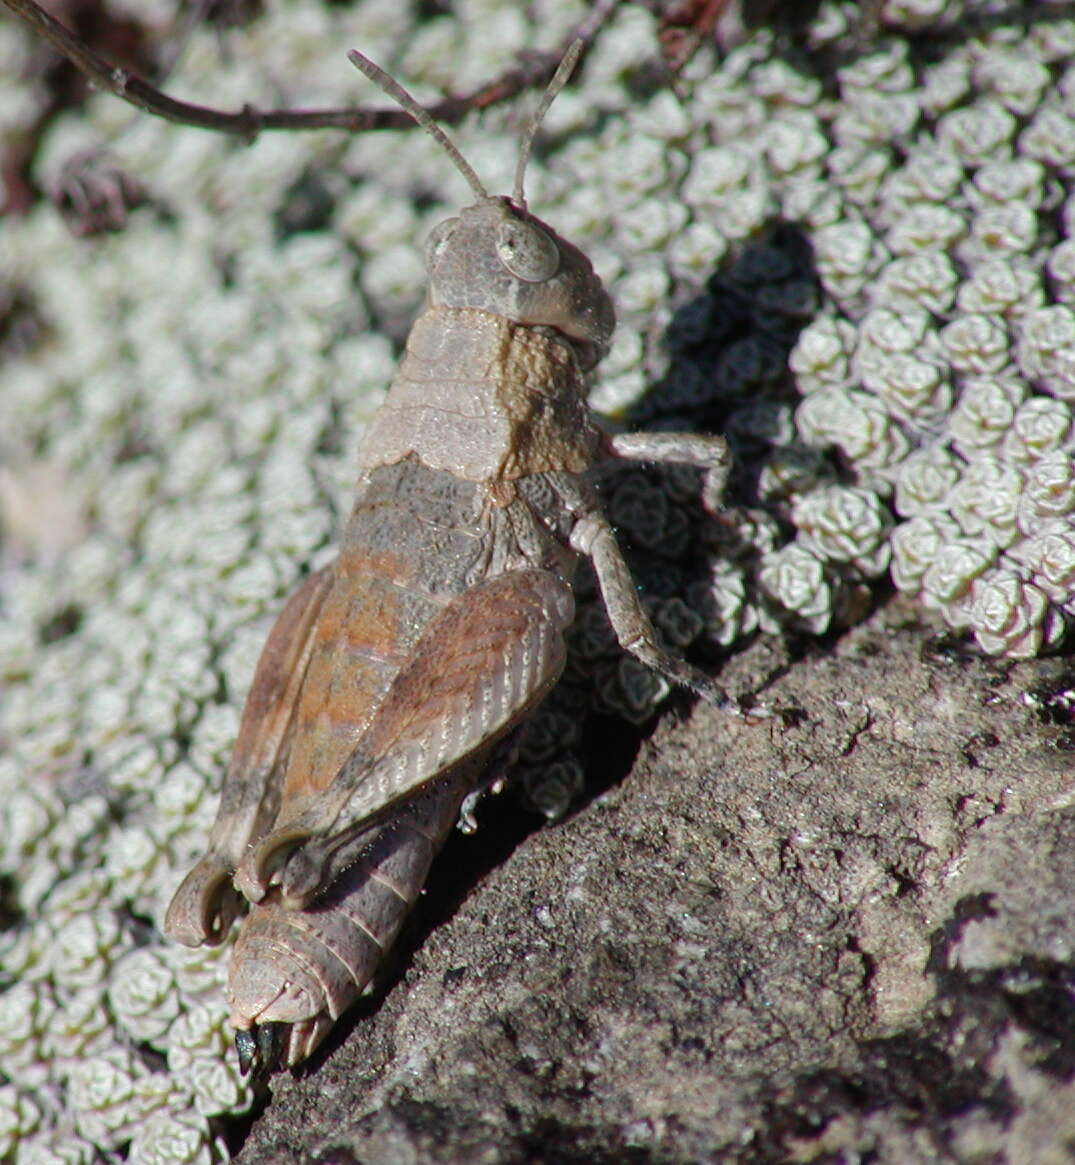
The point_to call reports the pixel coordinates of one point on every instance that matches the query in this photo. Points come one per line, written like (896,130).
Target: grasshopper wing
(480,666)
(202,909)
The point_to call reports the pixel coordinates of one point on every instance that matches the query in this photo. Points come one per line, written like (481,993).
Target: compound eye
(438,240)
(527,251)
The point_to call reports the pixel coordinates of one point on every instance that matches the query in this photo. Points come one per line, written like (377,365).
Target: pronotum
(390,687)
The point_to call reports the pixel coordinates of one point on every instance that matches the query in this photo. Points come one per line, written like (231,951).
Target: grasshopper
(393,679)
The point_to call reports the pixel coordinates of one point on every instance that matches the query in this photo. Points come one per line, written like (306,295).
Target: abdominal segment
(304,968)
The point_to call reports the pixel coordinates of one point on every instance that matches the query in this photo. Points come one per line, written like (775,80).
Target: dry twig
(535,69)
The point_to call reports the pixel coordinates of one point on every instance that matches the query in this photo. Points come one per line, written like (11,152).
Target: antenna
(400,95)
(559,80)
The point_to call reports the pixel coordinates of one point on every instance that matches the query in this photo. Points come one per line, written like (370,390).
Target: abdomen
(415,540)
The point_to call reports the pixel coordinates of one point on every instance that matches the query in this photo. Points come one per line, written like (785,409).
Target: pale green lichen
(180,430)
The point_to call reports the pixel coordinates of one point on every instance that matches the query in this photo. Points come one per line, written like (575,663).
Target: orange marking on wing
(363,635)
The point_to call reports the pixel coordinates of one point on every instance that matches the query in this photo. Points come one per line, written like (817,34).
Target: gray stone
(842,934)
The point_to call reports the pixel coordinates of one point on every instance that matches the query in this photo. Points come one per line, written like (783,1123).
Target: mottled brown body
(391,676)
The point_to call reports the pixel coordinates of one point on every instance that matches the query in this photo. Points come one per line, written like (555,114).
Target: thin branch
(248,122)
(685,26)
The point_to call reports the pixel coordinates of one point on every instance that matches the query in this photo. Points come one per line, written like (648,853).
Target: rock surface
(844,934)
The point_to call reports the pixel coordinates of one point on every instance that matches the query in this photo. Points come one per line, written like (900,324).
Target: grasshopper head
(497,257)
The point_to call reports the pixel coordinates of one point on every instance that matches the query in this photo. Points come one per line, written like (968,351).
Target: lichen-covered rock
(848,933)
(182,398)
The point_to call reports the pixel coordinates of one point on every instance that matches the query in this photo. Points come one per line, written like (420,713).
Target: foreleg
(710,453)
